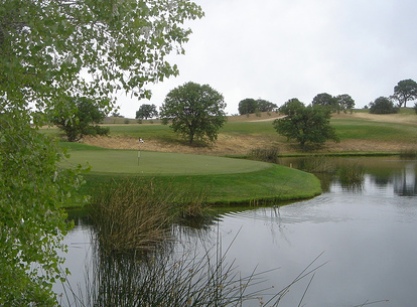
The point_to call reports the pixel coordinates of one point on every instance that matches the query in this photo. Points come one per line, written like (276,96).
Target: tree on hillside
(146,111)
(265,105)
(250,106)
(382,105)
(47,48)
(345,102)
(247,106)
(195,111)
(80,117)
(308,125)
(326,100)
(405,90)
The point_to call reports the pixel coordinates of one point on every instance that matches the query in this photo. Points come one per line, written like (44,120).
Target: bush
(269,154)
(382,105)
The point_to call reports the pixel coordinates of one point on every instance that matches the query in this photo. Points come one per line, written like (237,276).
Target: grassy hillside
(359,132)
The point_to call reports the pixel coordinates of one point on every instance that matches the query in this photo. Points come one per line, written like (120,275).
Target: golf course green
(221,180)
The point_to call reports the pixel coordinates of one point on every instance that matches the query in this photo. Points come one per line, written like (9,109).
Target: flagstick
(140,141)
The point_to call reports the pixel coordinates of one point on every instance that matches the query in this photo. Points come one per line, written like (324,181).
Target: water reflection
(365,227)
(349,172)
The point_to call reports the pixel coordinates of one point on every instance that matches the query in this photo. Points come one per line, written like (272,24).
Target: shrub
(382,105)
(268,154)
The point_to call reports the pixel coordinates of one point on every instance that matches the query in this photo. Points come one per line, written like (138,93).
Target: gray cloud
(281,49)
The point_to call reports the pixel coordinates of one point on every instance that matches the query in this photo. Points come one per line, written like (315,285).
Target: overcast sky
(282,49)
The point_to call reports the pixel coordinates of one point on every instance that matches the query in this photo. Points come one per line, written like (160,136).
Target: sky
(282,49)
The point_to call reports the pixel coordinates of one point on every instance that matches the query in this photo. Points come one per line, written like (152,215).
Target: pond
(358,239)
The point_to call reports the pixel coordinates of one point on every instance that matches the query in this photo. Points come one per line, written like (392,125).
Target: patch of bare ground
(225,145)
(368,146)
(236,145)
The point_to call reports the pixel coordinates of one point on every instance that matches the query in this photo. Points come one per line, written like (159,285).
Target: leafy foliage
(33,193)
(50,52)
(195,111)
(382,105)
(247,106)
(338,103)
(146,111)
(326,100)
(80,118)
(405,90)
(250,106)
(309,126)
(345,102)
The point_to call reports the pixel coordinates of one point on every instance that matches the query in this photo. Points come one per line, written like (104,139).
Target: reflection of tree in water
(351,176)
(405,183)
(168,276)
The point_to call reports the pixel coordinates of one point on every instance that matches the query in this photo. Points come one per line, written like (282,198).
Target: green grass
(348,129)
(160,163)
(220,180)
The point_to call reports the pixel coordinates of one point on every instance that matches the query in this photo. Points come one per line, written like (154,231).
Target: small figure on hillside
(141,140)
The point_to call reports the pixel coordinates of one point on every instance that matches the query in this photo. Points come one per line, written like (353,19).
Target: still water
(360,234)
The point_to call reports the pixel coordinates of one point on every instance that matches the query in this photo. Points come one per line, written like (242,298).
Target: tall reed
(408,153)
(265,154)
(132,213)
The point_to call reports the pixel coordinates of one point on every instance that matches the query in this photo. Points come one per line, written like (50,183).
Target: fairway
(160,163)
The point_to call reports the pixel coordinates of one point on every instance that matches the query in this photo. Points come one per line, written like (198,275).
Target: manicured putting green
(159,163)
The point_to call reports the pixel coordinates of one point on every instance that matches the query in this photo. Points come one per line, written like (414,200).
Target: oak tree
(146,111)
(308,125)
(194,111)
(405,90)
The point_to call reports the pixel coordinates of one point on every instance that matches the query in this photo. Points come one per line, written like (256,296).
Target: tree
(326,100)
(247,106)
(309,126)
(50,51)
(345,102)
(265,105)
(405,90)
(250,105)
(195,111)
(146,111)
(80,117)
(382,105)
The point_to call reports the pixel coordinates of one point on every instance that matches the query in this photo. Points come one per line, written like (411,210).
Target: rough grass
(359,132)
